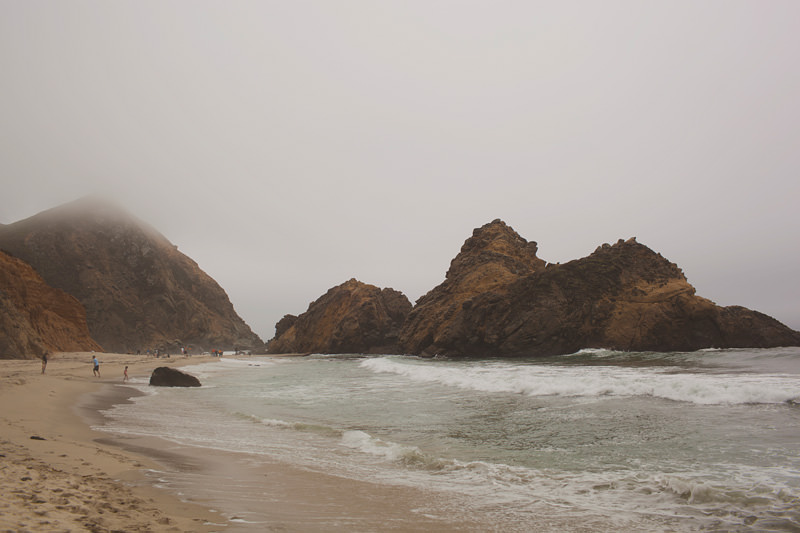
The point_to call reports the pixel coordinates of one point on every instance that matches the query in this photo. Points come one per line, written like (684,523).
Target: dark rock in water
(353,317)
(165,376)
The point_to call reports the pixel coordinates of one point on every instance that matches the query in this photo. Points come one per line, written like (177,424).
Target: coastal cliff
(138,290)
(499,299)
(35,317)
(353,317)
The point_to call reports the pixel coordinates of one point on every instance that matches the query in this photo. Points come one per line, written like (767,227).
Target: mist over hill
(138,290)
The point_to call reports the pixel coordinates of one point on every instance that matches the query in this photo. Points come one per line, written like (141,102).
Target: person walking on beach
(44,361)
(96,363)
(125,375)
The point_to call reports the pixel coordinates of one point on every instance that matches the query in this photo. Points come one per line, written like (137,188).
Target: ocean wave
(595,352)
(692,489)
(296,426)
(598,381)
(731,498)
(697,491)
(410,456)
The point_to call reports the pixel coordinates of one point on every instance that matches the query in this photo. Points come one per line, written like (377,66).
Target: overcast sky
(289,146)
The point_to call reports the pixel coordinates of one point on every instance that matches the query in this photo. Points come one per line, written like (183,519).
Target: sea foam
(410,456)
(597,381)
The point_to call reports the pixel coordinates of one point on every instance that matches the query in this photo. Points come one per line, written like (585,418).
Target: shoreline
(60,474)
(88,479)
(252,492)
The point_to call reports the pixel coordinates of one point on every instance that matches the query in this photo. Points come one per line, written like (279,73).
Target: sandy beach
(58,474)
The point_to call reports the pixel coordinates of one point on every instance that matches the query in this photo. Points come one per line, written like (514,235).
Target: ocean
(594,441)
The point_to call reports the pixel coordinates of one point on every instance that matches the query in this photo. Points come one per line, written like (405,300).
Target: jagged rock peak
(631,257)
(620,242)
(493,258)
(496,243)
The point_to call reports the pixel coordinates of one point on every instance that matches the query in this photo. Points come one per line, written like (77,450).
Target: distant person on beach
(96,364)
(125,375)
(44,361)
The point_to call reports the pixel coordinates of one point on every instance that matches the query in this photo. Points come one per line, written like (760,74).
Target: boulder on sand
(165,376)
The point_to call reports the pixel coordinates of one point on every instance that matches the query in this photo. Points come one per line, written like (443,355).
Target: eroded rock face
(165,376)
(351,318)
(624,297)
(35,317)
(488,263)
(284,324)
(138,290)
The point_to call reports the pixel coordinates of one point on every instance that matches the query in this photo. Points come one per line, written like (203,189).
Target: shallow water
(598,440)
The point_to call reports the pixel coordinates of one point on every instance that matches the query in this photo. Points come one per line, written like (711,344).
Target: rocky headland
(499,299)
(139,292)
(353,317)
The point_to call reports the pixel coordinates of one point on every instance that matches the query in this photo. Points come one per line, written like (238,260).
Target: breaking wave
(597,381)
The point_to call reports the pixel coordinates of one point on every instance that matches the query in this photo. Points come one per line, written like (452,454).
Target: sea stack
(353,317)
(499,299)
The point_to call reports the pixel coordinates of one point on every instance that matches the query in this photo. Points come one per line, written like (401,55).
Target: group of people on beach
(96,370)
(157,353)
(95,367)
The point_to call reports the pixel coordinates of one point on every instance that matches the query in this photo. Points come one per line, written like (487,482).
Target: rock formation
(284,324)
(489,261)
(138,290)
(35,317)
(165,376)
(499,299)
(351,318)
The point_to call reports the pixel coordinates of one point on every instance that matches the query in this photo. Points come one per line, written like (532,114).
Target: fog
(289,146)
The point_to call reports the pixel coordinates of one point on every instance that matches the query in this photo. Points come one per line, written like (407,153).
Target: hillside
(138,290)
